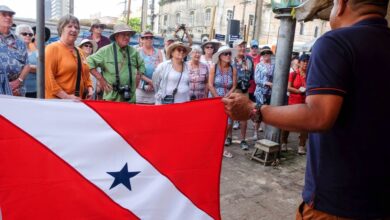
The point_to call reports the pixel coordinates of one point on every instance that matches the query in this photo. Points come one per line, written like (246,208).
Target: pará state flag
(106,160)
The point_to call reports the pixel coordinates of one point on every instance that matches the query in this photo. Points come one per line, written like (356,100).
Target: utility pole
(258,19)
(211,35)
(242,25)
(144,17)
(71,7)
(152,15)
(128,11)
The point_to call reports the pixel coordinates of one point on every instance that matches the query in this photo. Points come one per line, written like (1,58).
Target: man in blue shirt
(348,160)
(13,55)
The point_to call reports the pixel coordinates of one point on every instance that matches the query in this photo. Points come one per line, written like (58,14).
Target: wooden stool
(266,151)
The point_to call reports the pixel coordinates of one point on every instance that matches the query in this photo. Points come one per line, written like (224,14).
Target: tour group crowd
(110,69)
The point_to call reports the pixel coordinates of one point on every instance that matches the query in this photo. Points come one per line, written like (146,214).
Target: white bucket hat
(94,44)
(216,44)
(222,50)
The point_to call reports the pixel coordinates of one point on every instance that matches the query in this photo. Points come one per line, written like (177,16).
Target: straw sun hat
(175,45)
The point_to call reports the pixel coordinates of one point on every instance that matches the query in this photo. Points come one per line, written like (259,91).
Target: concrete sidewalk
(251,191)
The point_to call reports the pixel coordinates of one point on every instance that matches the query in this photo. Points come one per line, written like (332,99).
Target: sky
(82,8)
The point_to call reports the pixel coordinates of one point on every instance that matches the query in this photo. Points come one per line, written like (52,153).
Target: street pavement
(249,190)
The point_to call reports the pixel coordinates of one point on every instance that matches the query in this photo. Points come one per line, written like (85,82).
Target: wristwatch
(256,115)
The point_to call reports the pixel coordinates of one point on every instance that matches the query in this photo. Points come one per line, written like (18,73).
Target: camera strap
(181,74)
(77,89)
(116,65)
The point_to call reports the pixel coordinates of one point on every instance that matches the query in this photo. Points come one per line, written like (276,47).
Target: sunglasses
(88,45)
(147,38)
(209,47)
(101,26)
(266,53)
(181,50)
(5,14)
(226,54)
(27,34)
(255,47)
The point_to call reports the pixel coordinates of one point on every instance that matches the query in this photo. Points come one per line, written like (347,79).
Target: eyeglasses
(27,34)
(226,54)
(88,45)
(209,47)
(101,26)
(147,38)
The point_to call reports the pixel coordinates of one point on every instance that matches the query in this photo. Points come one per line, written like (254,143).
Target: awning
(314,9)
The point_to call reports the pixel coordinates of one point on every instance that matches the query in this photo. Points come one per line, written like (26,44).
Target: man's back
(347,172)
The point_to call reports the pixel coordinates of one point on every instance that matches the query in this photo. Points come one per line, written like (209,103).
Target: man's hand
(104,85)
(238,106)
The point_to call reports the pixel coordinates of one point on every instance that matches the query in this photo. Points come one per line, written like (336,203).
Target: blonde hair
(65,20)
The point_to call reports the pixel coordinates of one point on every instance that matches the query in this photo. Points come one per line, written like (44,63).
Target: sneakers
(236,125)
(244,145)
(301,150)
(227,154)
(228,141)
(254,138)
(283,148)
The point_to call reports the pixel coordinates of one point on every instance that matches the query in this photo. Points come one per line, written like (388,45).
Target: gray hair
(23,28)
(196,48)
(65,20)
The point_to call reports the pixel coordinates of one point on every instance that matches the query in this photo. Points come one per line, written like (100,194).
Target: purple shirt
(103,41)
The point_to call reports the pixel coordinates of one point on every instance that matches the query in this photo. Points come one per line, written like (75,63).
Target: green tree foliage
(135,24)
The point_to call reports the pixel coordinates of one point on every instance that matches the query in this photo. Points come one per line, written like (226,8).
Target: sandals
(227,154)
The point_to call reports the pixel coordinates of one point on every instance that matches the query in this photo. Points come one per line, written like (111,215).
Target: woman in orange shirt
(61,64)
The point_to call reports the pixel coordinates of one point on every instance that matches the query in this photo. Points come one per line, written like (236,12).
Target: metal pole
(282,66)
(40,38)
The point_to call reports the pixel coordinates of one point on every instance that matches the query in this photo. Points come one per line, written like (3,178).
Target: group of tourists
(108,68)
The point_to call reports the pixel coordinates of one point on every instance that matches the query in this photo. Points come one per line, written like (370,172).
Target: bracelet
(20,79)
(256,115)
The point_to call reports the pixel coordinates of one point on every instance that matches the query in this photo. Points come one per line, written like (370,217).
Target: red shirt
(297,81)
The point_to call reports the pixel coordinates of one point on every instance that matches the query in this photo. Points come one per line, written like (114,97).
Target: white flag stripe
(83,139)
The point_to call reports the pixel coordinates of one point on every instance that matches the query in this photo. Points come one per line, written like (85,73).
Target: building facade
(59,8)
(199,15)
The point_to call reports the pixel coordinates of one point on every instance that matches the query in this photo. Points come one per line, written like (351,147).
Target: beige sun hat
(121,28)
(175,45)
(222,50)
(239,42)
(94,44)
(96,22)
(214,42)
